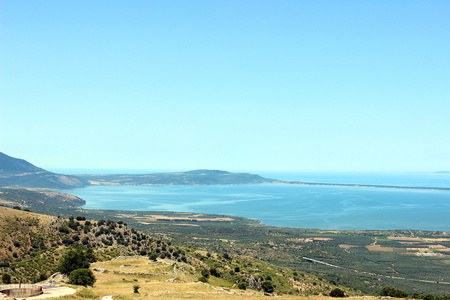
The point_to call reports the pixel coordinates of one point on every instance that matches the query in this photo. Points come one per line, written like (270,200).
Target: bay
(322,207)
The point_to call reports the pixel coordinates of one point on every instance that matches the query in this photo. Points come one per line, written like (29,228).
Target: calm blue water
(296,206)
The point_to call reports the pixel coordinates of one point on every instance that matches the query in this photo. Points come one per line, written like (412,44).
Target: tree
(267,286)
(6,278)
(337,292)
(83,277)
(393,292)
(73,260)
(153,256)
(205,273)
(214,272)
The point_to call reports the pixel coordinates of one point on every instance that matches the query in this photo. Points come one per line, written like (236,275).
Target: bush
(63,229)
(242,286)
(267,286)
(6,278)
(136,288)
(393,292)
(205,273)
(83,277)
(153,256)
(87,294)
(337,292)
(214,272)
(203,279)
(67,241)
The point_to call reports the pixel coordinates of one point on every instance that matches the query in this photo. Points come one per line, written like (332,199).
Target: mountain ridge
(16,172)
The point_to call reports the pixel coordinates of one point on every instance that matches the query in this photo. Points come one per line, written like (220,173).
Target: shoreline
(293,182)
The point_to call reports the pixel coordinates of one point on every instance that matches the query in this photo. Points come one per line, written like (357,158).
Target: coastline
(361,185)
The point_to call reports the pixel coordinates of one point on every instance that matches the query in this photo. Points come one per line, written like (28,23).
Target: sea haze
(324,207)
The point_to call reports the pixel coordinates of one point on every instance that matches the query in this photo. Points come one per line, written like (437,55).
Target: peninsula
(19,173)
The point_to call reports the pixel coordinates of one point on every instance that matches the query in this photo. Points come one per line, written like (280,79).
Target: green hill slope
(16,172)
(31,246)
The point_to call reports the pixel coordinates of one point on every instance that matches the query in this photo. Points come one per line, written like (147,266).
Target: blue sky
(234,85)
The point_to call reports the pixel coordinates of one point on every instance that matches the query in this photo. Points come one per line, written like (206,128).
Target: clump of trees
(75,263)
(337,292)
(393,292)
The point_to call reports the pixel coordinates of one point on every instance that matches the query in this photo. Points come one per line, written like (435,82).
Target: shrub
(393,292)
(136,288)
(242,285)
(153,256)
(67,241)
(203,279)
(205,273)
(63,229)
(6,278)
(87,294)
(267,286)
(214,272)
(83,277)
(337,292)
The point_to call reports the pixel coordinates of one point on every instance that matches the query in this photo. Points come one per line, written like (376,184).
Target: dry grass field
(163,279)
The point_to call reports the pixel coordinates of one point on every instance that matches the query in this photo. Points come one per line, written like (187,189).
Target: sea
(299,206)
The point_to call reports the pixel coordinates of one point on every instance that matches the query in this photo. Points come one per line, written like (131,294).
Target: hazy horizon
(75,171)
(288,86)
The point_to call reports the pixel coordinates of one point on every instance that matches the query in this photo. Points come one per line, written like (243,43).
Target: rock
(99,270)
(56,278)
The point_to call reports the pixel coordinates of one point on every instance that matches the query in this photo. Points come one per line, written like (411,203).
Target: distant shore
(361,185)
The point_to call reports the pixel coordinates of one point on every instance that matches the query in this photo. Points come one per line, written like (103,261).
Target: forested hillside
(33,244)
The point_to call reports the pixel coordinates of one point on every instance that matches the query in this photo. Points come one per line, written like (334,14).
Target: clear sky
(227,84)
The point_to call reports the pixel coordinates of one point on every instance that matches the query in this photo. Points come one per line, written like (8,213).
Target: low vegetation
(235,252)
(71,245)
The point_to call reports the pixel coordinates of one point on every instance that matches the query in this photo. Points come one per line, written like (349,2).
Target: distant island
(19,173)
